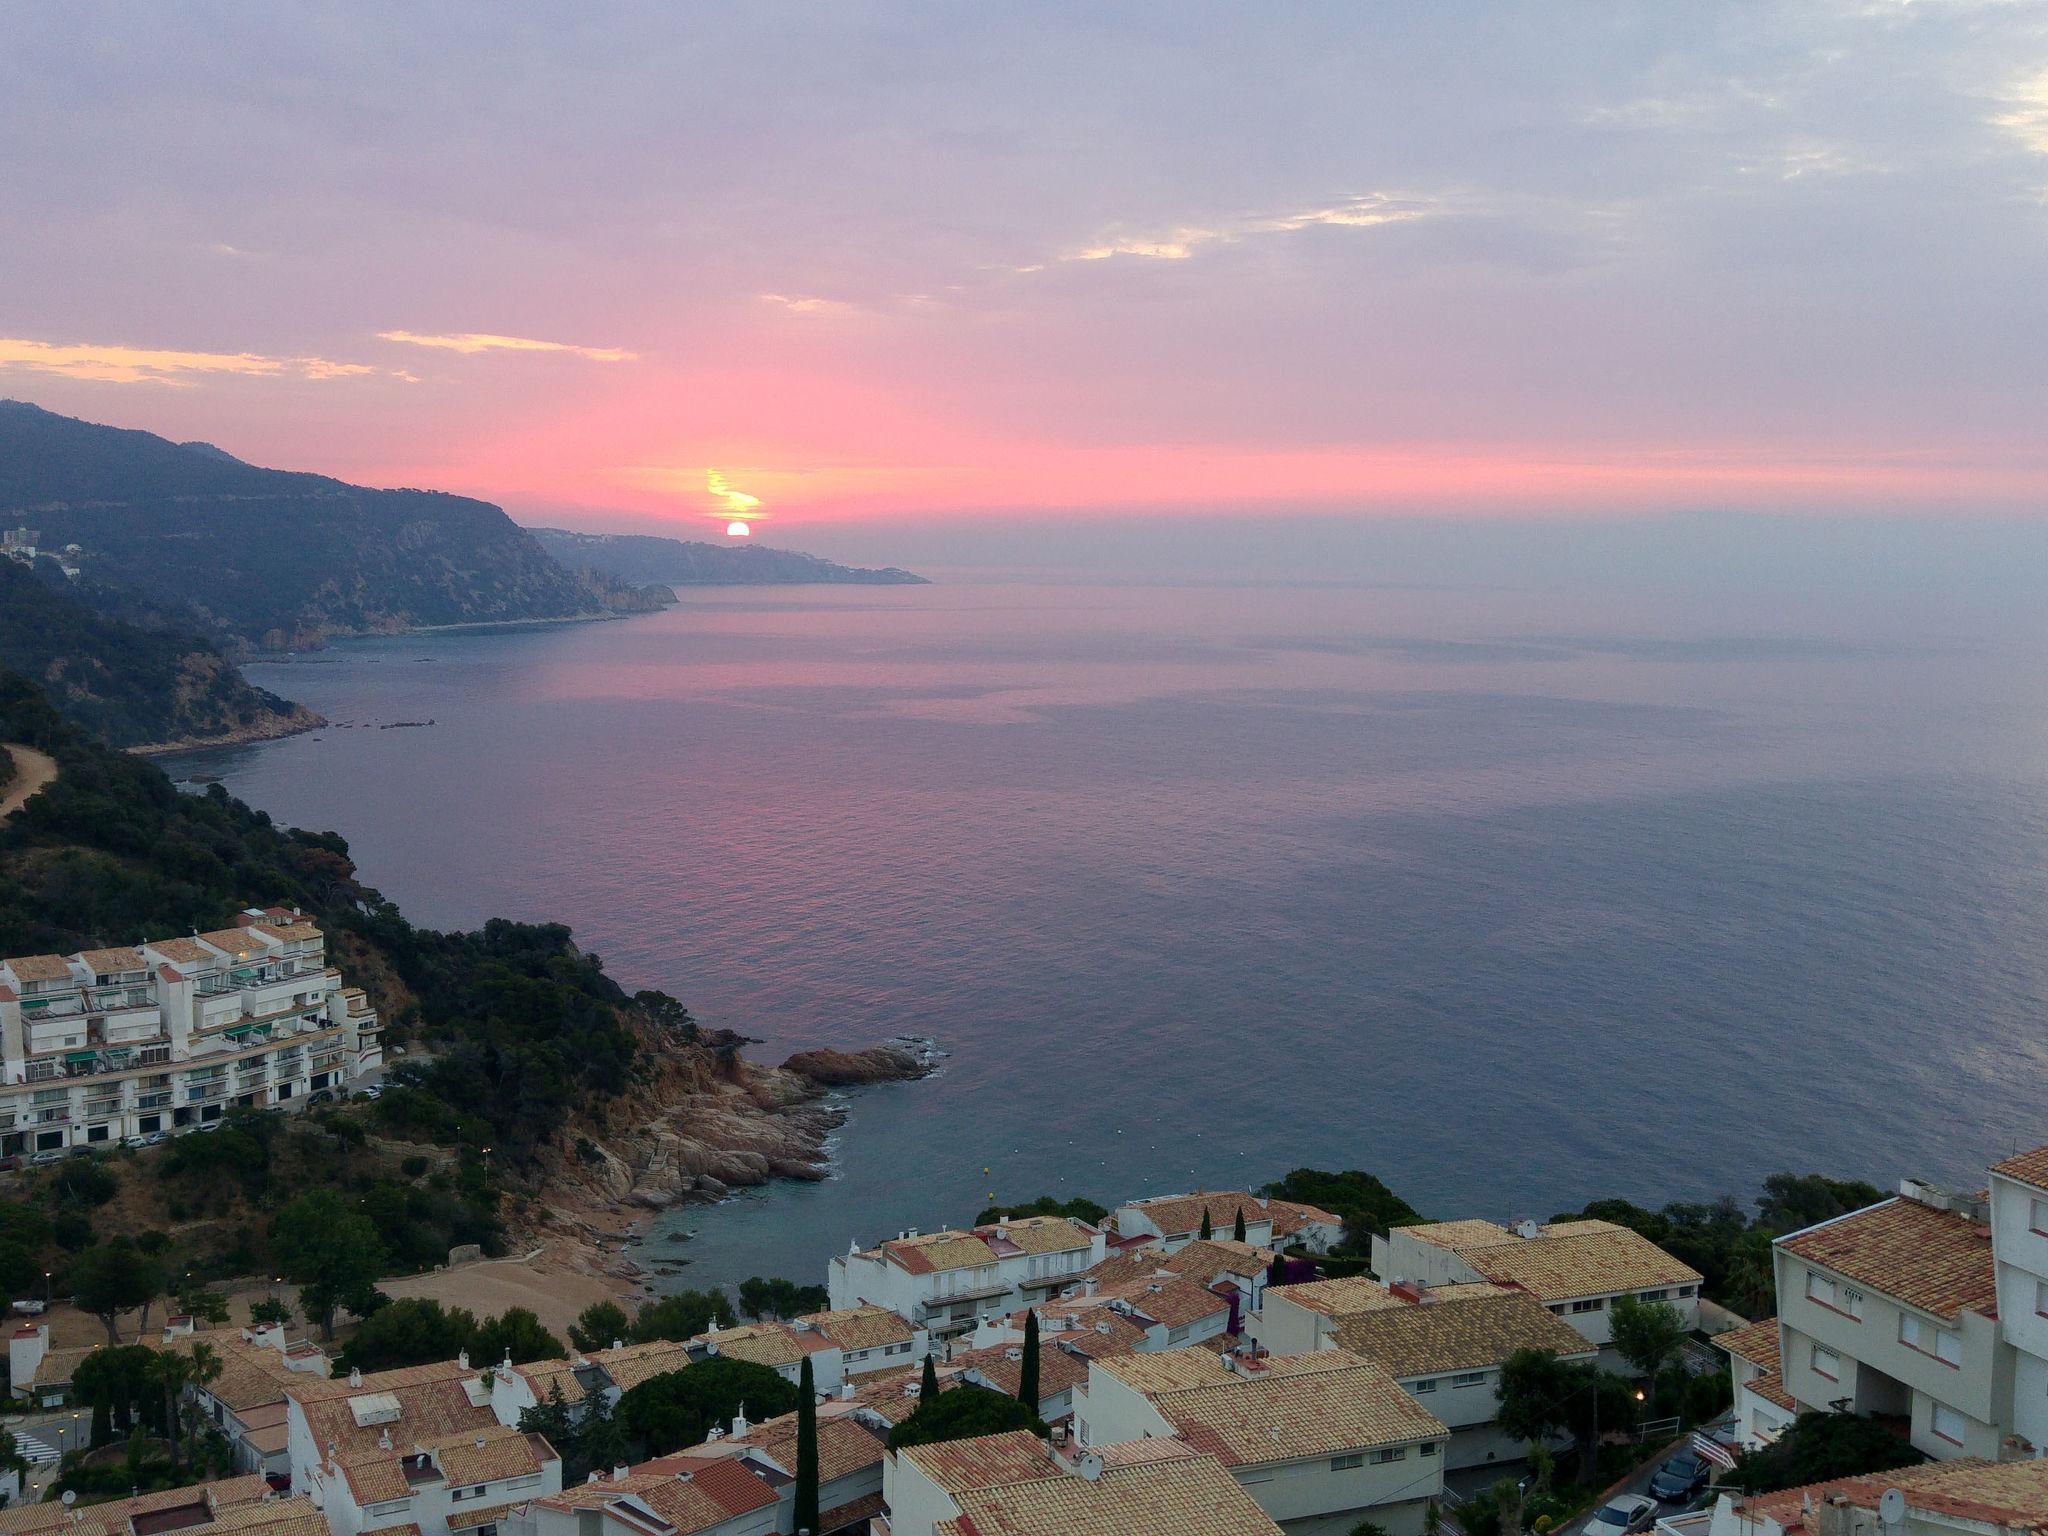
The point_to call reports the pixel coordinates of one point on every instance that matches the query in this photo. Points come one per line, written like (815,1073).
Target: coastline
(246,736)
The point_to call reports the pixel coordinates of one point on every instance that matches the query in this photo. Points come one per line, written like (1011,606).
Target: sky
(851,269)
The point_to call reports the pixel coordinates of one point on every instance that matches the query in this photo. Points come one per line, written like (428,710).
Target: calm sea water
(1512,901)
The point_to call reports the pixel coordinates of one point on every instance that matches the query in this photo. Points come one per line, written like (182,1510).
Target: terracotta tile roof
(236,942)
(1337,1298)
(987,1462)
(769,1344)
(1087,1324)
(241,1504)
(1458,1334)
(1770,1386)
(713,1493)
(1290,1216)
(588,1495)
(1200,1261)
(2013,1494)
(845,1445)
(1580,1258)
(280,1517)
(634,1363)
(936,1251)
(1298,1406)
(1040,1234)
(861,1327)
(1175,1214)
(39,968)
(56,1367)
(839,1516)
(102,961)
(427,1412)
(184,951)
(1174,1302)
(250,1374)
(1937,1261)
(469,1517)
(505,1453)
(2028,1168)
(1460,1235)
(1159,1495)
(887,1392)
(1058,1371)
(1755,1342)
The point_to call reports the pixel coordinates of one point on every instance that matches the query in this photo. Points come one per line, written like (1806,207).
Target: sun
(738,531)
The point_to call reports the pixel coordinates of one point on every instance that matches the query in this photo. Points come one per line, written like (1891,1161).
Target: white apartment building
(944,1282)
(1578,1269)
(1763,1408)
(1320,1441)
(1891,1312)
(2019,1247)
(162,1037)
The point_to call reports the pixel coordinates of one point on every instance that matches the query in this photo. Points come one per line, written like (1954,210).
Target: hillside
(683,562)
(274,558)
(130,684)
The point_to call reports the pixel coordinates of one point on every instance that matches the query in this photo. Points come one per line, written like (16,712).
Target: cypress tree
(1237,1231)
(1208,1231)
(1276,1272)
(1027,1378)
(928,1384)
(806,1510)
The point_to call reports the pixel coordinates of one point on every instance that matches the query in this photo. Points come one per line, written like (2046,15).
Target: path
(32,770)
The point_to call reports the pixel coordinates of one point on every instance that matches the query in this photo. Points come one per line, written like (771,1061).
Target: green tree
(1237,1227)
(1791,1201)
(806,1496)
(117,1384)
(928,1382)
(965,1413)
(682,1316)
(331,1252)
(679,1408)
(113,1278)
(601,1443)
(178,1370)
(19,1271)
(1208,1230)
(207,1305)
(268,1311)
(1027,1370)
(599,1326)
(1364,1201)
(1077,1209)
(781,1298)
(1646,1333)
(414,1330)
(516,1333)
(1819,1447)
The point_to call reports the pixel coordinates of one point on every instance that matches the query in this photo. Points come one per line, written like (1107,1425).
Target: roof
(40,968)
(2013,1493)
(186,951)
(1460,1333)
(1297,1406)
(1937,1261)
(710,1493)
(769,1344)
(1755,1342)
(1040,1234)
(235,941)
(2027,1167)
(1459,1235)
(56,1367)
(1175,1214)
(1200,1261)
(1174,1301)
(428,1412)
(987,1462)
(1163,1493)
(102,961)
(251,1375)
(1290,1216)
(1337,1298)
(937,1251)
(845,1445)
(1058,1371)
(861,1327)
(1770,1386)
(241,1504)
(1568,1260)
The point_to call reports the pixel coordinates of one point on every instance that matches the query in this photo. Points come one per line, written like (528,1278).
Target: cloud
(150,365)
(807,304)
(1362,211)
(731,503)
(470,343)
(2027,120)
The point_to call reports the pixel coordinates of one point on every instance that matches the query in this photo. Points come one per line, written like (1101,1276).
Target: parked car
(154,1137)
(31,1308)
(135,1141)
(1679,1478)
(1623,1516)
(9,1163)
(374,1091)
(45,1158)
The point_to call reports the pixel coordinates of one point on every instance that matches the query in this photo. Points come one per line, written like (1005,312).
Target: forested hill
(126,683)
(683,562)
(270,557)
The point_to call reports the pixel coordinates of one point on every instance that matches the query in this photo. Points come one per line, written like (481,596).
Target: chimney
(462,1359)
(618,1343)
(739,1423)
(620,1473)
(384,1441)
(1013,1353)
(355,1376)
(479,1442)
(593,1477)
(1408,1291)
(1059,1435)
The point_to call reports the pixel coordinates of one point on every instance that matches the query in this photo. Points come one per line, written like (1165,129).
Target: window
(1688,1290)
(1346,1463)
(1651,1295)
(1390,1453)
(1179,1335)
(2041,1297)
(1836,1298)
(1431,1448)
(1943,1343)
(1948,1424)
(1469,1379)
(1592,1304)
(2038,1220)
(1428,1384)
(1827,1363)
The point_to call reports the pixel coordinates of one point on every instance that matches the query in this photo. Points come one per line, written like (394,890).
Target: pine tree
(806,1510)
(928,1384)
(1237,1231)
(1208,1231)
(1027,1377)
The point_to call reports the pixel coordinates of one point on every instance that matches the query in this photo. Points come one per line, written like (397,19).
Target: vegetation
(599,1326)
(113,1278)
(636,557)
(417,1330)
(965,1413)
(679,1408)
(1366,1204)
(331,1252)
(1646,1333)
(591,1441)
(781,1298)
(1817,1447)
(682,1316)
(1077,1209)
(1027,1370)
(805,1506)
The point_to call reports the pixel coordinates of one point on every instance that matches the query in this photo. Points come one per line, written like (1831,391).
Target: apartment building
(1320,1441)
(1172,1221)
(244,1506)
(856,1341)
(1942,1498)
(1578,1269)
(465,1482)
(1763,1408)
(1017,1485)
(107,1045)
(2018,1197)
(1444,1346)
(851,1441)
(943,1282)
(1236,1272)
(1892,1312)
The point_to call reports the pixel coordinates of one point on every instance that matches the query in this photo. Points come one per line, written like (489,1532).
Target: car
(31,1308)
(322,1097)
(210,1125)
(1679,1478)
(1623,1516)
(9,1163)
(134,1141)
(154,1137)
(374,1091)
(44,1158)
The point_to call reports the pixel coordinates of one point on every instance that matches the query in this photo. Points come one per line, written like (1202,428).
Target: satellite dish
(70,1498)
(1891,1506)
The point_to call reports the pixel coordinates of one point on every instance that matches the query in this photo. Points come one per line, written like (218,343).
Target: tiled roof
(2028,1167)
(185,951)
(769,1344)
(1770,1386)
(634,1363)
(1162,1495)
(1337,1298)
(988,1462)
(1580,1258)
(102,961)
(39,968)
(1200,1261)
(1040,1234)
(1458,1334)
(710,1494)
(237,1504)
(1937,1261)
(2012,1494)
(1058,1371)
(1297,1406)
(937,1251)
(1755,1342)
(1175,1214)
(250,1374)
(235,941)
(470,1516)
(861,1327)
(486,1457)
(56,1367)
(845,1445)
(1290,1216)
(427,1412)
(1460,1235)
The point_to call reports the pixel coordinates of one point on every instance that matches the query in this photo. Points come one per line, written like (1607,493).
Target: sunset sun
(737,530)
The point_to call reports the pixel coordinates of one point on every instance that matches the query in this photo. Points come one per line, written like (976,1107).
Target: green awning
(236,1031)
(75,1057)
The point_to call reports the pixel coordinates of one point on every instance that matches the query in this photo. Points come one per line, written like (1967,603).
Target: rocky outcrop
(851,1069)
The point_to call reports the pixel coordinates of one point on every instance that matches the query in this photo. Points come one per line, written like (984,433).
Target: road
(32,770)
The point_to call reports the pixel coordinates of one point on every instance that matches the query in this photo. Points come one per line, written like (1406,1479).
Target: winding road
(32,770)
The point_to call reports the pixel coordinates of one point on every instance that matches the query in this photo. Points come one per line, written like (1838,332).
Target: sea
(1515,899)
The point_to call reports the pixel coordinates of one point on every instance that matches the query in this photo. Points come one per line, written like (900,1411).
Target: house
(607,1373)
(851,1448)
(243,1506)
(1939,1498)
(943,1282)
(38,1372)
(2018,1197)
(245,1400)
(1172,1221)
(1762,1405)
(855,1341)
(163,1036)
(466,1481)
(1152,1312)
(1235,1271)
(1892,1311)
(685,1495)
(1578,1269)
(1017,1485)
(1320,1441)
(331,1422)
(1445,1346)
